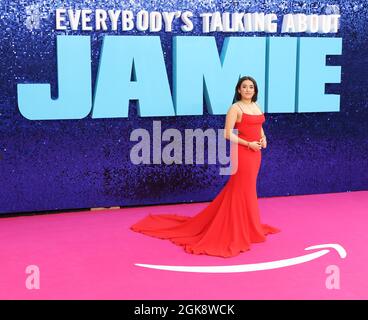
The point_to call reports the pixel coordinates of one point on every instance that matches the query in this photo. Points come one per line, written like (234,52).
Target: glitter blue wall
(75,164)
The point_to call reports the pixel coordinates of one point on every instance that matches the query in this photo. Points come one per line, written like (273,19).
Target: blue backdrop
(71,164)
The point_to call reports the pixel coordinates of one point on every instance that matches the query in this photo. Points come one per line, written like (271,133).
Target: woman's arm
(262,133)
(231,118)
(263,139)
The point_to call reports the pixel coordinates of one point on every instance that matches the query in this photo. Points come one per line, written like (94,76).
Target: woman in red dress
(231,222)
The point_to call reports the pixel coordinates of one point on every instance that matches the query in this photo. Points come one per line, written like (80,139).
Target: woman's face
(246,89)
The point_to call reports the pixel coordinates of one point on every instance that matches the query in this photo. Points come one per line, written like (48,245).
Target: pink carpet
(92,254)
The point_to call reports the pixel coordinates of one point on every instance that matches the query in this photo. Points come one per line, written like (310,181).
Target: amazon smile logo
(323,249)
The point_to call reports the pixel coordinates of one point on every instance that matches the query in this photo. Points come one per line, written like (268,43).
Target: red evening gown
(231,222)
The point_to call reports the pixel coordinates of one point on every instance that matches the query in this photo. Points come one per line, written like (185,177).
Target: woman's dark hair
(237,95)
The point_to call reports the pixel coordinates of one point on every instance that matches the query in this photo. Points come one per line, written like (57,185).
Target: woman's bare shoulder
(259,107)
(234,106)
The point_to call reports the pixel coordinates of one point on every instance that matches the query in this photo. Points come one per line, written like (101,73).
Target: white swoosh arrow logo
(255,266)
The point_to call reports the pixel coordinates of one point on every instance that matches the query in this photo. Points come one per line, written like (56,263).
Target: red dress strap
(240,107)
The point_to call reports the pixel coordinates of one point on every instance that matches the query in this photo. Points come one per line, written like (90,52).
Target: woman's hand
(263,142)
(255,145)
